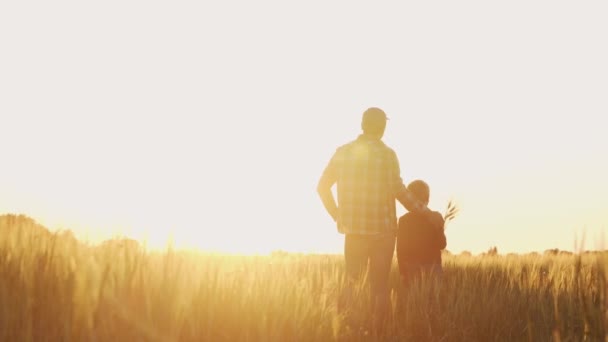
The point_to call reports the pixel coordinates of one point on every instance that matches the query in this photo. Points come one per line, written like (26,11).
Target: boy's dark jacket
(418,240)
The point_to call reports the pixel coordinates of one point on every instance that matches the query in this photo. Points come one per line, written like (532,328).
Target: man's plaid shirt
(368,179)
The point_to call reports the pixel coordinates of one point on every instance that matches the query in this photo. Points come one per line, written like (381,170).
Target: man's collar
(366,137)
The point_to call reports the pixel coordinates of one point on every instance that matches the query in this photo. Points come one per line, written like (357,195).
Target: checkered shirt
(368,180)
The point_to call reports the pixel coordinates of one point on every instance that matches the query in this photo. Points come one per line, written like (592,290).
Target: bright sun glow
(210,126)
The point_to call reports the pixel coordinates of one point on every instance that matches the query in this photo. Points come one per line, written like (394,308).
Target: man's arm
(328,179)
(408,200)
(401,193)
(412,204)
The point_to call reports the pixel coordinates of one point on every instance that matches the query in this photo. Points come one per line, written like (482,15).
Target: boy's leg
(412,275)
(437,277)
(438,273)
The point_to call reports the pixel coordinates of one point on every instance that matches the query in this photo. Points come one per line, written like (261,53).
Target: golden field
(55,288)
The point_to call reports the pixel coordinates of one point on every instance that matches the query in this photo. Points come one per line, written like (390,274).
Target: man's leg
(381,258)
(356,255)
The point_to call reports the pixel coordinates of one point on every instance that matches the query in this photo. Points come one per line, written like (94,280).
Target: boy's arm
(443,243)
(439,224)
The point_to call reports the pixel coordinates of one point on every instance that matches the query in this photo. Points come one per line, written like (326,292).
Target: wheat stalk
(450,212)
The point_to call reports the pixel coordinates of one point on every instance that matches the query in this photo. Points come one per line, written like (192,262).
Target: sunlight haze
(211,122)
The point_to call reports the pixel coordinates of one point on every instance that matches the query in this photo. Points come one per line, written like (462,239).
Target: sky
(210,122)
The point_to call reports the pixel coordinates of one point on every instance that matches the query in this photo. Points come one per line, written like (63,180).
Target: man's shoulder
(388,151)
(343,150)
(346,145)
(388,148)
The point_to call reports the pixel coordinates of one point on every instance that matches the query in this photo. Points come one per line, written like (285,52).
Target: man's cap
(374,115)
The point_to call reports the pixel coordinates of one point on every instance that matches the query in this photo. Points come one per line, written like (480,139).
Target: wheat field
(55,288)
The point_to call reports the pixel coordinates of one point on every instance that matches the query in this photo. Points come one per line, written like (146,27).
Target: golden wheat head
(451,211)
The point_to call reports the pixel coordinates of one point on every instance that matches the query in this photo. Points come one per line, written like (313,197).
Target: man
(368,179)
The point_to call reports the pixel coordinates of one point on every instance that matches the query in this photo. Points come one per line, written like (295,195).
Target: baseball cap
(374,115)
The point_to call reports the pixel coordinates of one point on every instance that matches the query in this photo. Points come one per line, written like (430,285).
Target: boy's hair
(420,189)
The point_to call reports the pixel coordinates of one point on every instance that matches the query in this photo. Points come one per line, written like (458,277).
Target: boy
(420,240)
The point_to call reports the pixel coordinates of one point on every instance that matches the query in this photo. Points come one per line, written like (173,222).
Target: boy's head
(420,190)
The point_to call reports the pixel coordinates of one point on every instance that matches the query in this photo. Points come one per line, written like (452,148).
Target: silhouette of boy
(419,242)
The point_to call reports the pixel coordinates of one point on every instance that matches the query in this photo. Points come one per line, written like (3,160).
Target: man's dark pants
(377,250)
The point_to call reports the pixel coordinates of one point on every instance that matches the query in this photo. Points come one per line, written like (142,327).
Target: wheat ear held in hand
(450,213)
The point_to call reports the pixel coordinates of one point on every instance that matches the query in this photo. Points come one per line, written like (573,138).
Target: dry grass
(53,288)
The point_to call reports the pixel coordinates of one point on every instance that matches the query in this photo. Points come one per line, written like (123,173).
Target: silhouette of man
(368,180)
